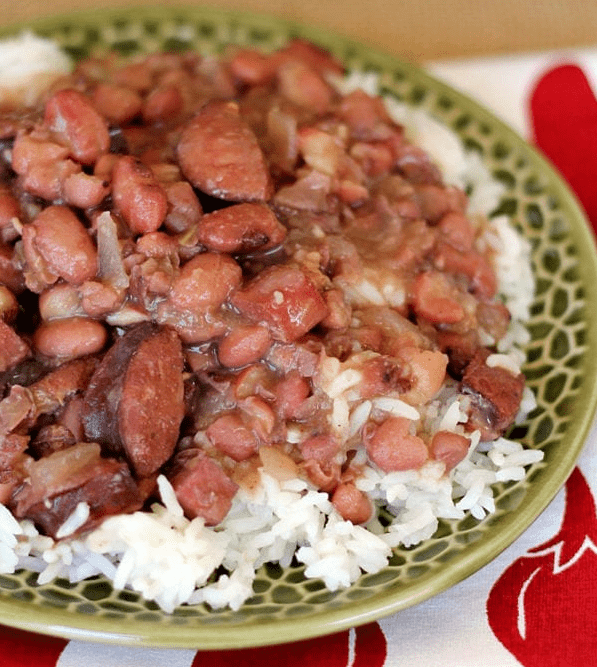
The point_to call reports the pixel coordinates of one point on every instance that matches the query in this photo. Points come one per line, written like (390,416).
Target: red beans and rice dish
(216,268)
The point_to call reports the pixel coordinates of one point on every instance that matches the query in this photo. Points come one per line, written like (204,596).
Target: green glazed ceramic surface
(561,369)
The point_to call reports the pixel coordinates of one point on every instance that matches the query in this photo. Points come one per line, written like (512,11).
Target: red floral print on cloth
(364,647)
(564,119)
(25,649)
(543,608)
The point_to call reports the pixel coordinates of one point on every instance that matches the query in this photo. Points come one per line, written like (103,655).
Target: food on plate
(242,313)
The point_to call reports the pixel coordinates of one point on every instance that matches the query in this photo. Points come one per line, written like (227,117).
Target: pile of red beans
(185,243)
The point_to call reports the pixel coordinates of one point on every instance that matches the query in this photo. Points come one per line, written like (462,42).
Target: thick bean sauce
(206,266)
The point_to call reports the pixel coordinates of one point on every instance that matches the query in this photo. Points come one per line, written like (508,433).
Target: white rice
(28,64)
(170,559)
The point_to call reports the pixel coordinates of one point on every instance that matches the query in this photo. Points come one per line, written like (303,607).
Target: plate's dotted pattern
(556,353)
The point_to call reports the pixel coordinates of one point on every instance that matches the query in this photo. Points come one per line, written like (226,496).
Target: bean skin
(84,190)
(74,120)
(59,302)
(64,244)
(393,448)
(184,208)
(205,281)
(9,306)
(163,103)
(70,338)
(13,348)
(138,196)
(243,345)
(119,104)
(241,228)
(352,504)
(449,447)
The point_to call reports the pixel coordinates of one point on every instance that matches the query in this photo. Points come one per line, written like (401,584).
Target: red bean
(229,435)
(252,67)
(393,448)
(162,104)
(366,116)
(65,245)
(70,338)
(449,447)
(305,87)
(291,392)
(184,208)
(138,196)
(13,348)
(241,228)
(60,301)
(316,57)
(472,264)
(284,298)
(205,281)
(457,230)
(29,149)
(322,448)
(243,345)
(9,306)
(119,104)
(436,299)
(73,119)
(84,190)
(219,153)
(137,76)
(352,504)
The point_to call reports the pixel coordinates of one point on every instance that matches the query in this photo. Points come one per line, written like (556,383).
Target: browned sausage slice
(152,404)
(496,395)
(218,152)
(134,403)
(58,483)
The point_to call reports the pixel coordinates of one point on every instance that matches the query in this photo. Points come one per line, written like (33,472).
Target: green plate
(561,369)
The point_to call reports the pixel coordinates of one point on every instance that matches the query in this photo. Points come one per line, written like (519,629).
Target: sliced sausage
(59,482)
(134,402)
(496,395)
(219,154)
(152,404)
